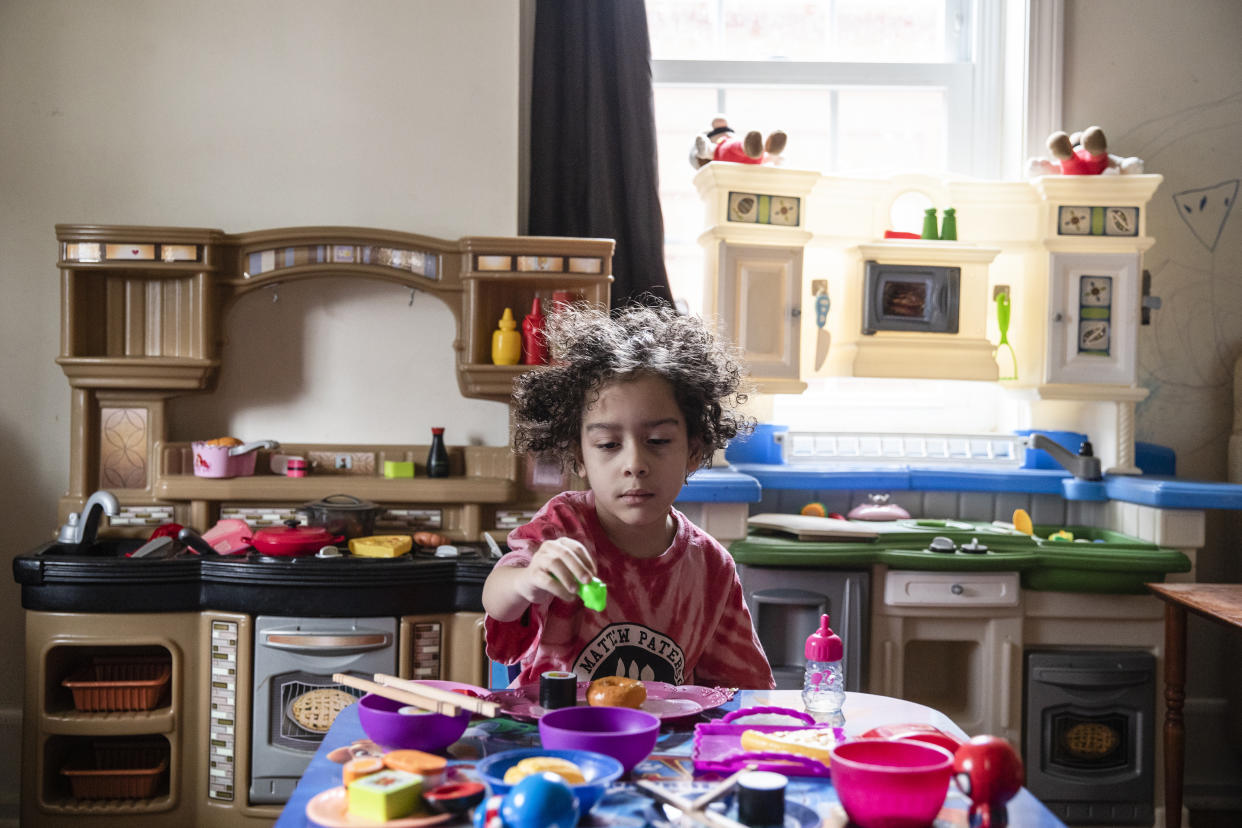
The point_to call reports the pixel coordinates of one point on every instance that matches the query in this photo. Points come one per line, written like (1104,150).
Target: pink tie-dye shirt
(678,618)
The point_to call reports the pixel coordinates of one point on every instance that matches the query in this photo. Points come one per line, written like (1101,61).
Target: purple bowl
(625,734)
(385,726)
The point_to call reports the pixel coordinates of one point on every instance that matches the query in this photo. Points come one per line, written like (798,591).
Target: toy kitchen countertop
(1103,561)
(1146,490)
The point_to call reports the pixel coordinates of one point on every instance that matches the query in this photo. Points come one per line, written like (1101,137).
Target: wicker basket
(118,771)
(115,684)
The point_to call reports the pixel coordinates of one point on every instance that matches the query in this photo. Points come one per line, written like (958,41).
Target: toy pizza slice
(815,742)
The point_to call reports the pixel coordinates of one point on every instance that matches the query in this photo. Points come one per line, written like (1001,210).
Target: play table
(670,763)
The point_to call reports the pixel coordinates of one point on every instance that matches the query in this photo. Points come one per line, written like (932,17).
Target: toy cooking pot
(292,540)
(343,514)
(227,461)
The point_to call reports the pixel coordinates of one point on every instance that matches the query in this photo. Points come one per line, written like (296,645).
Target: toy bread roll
(616,691)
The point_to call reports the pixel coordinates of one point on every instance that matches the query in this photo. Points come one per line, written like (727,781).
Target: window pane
(804,113)
(887,129)
(681,113)
(842,30)
(682,29)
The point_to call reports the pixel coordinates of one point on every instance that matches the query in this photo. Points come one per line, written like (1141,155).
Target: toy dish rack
(117,770)
(113,684)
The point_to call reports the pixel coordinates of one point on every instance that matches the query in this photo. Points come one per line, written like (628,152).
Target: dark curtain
(592,136)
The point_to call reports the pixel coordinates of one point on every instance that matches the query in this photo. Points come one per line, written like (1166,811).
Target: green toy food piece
(594,594)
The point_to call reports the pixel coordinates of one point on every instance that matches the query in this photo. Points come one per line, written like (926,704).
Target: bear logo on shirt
(633,651)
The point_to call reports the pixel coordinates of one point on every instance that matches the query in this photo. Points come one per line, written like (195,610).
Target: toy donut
(616,691)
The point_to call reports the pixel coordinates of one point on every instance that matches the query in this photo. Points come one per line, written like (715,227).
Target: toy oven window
(910,298)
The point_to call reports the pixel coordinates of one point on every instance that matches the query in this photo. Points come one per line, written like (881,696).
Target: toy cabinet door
(1093,310)
(758,295)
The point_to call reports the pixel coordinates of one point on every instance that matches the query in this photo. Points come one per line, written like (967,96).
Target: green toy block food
(389,794)
(594,594)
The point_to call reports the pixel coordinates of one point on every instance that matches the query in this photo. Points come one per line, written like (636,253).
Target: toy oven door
(910,298)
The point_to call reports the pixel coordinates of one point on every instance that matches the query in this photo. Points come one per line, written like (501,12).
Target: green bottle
(948,229)
(929,223)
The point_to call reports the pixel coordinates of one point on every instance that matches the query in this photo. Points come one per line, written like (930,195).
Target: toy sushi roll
(558,689)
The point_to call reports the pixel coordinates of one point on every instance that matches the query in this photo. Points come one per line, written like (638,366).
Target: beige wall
(397,114)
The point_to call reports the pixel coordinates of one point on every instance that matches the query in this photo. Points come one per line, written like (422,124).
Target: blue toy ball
(541,800)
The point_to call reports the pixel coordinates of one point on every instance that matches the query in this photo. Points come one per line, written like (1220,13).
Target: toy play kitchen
(208,652)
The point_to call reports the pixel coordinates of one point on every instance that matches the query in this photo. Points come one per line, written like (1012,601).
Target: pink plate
(329,809)
(667,701)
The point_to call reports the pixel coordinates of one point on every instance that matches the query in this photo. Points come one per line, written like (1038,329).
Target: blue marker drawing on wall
(1206,209)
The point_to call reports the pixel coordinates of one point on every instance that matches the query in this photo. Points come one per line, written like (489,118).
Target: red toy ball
(988,771)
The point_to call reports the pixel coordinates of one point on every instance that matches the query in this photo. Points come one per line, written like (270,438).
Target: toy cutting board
(812,528)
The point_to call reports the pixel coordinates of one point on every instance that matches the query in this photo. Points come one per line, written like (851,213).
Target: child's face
(635,455)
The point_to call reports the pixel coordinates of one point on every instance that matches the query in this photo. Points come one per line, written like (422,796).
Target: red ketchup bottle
(534,348)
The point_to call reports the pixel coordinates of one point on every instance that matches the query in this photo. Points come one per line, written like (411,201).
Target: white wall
(397,114)
(1164,81)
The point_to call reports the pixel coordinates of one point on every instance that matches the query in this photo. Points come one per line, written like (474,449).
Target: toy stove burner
(464,552)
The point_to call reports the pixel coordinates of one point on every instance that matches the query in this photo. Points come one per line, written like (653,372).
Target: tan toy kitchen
(193,689)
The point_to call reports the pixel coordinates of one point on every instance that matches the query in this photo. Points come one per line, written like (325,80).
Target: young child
(634,402)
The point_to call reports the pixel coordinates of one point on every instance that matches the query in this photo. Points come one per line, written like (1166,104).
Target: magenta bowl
(431,732)
(891,783)
(625,734)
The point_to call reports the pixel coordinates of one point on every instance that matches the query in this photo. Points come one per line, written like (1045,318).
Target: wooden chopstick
(482,707)
(720,788)
(448,708)
(708,818)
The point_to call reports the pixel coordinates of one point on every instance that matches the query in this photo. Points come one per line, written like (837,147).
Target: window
(860,87)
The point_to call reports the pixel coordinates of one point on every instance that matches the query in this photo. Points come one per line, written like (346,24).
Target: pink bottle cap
(824,644)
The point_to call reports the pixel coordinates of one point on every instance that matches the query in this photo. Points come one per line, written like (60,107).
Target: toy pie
(316,710)
(816,743)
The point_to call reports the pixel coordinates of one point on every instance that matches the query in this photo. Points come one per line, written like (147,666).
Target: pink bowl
(625,734)
(891,783)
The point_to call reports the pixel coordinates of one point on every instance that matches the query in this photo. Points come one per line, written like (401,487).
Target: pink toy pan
(718,745)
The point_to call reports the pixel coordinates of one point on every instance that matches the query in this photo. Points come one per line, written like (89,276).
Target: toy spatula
(1002,322)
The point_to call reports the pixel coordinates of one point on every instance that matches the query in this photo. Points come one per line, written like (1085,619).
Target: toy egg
(542,800)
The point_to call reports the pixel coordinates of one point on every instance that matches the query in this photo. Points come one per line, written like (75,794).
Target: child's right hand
(555,571)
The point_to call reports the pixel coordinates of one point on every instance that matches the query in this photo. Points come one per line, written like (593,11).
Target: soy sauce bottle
(437,455)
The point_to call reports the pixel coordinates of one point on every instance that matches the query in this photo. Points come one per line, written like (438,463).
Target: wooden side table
(1216,602)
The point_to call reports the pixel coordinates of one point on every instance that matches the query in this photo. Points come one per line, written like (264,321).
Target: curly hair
(589,349)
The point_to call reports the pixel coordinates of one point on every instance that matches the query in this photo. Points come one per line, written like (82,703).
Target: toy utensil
(594,594)
(1022,522)
(823,338)
(720,788)
(711,819)
(1002,322)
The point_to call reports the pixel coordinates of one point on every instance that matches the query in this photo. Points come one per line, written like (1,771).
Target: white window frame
(1001,106)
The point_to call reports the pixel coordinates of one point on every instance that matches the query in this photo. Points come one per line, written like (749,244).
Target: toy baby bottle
(823,686)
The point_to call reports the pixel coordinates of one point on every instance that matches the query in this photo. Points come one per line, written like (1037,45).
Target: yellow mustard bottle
(506,341)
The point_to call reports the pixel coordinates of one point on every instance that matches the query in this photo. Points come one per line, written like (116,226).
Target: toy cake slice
(815,742)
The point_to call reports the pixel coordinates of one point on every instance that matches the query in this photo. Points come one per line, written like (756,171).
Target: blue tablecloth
(669,762)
